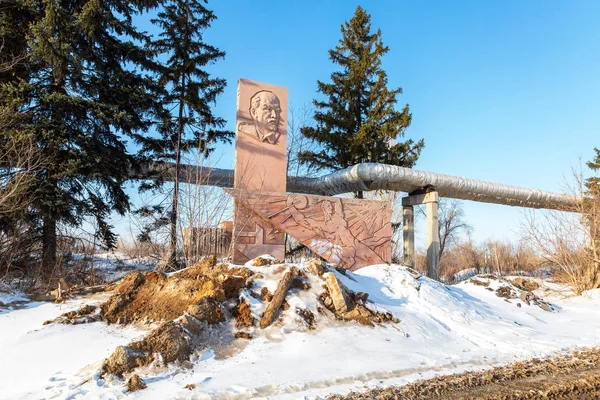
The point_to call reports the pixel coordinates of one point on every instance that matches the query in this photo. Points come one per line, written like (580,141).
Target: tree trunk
(278,297)
(175,204)
(48,247)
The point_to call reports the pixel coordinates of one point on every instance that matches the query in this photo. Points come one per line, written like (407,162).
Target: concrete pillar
(431,200)
(433,240)
(408,233)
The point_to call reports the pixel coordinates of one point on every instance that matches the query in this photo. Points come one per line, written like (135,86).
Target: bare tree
(297,143)
(299,117)
(451,217)
(568,238)
(19,160)
(203,209)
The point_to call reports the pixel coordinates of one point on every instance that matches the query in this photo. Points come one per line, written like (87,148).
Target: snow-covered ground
(442,329)
(114,265)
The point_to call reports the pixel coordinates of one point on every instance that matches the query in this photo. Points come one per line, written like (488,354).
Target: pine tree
(593,183)
(358,122)
(592,200)
(84,92)
(190,92)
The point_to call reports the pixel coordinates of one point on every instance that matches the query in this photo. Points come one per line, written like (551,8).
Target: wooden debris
(337,291)
(278,297)
(316,267)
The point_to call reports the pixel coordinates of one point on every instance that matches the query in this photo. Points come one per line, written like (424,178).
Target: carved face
(327,207)
(265,112)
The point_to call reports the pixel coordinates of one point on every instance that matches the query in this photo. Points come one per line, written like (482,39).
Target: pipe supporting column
(408,235)
(431,201)
(433,239)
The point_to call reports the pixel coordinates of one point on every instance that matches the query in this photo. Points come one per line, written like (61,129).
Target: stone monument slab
(260,165)
(351,233)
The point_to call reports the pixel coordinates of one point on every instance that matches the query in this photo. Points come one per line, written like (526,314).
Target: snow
(442,329)
(114,265)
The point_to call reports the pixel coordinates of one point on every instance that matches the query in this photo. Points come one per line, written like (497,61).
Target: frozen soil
(570,376)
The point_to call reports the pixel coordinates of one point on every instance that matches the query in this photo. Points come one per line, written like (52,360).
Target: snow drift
(478,323)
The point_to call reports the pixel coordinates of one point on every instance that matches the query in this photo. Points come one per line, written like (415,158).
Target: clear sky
(505,91)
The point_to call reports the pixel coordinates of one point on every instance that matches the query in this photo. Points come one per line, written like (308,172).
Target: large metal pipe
(372,176)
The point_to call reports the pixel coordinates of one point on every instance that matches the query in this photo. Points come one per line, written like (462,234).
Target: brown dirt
(308,317)
(359,311)
(525,284)
(189,301)
(265,295)
(505,292)
(168,343)
(261,262)
(81,316)
(124,359)
(156,297)
(169,340)
(242,335)
(207,309)
(478,282)
(574,376)
(243,316)
(135,383)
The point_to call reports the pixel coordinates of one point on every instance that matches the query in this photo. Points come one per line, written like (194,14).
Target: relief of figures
(265,112)
(348,232)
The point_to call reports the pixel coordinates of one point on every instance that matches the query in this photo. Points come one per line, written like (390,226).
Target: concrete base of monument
(197,333)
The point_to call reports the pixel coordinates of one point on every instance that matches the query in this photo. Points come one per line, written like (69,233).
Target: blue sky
(505,91)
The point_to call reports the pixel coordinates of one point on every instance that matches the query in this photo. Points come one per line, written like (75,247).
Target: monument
(260,165)
(351,233)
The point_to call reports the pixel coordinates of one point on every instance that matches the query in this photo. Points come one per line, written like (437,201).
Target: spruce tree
(358,121)
(83,92)
(190,93)
(593,183)
(592,199)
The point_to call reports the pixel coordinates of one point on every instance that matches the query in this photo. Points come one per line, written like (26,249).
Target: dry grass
(570,238)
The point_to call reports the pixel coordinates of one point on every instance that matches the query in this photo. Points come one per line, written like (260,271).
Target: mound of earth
(217,303)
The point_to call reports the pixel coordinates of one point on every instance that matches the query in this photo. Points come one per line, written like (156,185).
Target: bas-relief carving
(349,232)
(255,236)
(265,112)
(260,164)
(261,148)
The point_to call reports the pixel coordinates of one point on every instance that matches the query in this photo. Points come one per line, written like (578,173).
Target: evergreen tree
(358,122)
(592,199)
(593,183)
(82,93)
(190,92)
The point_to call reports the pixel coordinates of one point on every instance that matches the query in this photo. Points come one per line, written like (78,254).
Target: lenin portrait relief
(265,114)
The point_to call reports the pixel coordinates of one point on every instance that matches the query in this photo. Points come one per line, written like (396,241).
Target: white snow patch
(442,329)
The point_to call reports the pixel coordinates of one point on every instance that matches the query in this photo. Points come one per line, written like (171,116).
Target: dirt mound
(166,344)
(169,341)
(216,303)
(154,297)
(123,360)
(135,383)
(350,306)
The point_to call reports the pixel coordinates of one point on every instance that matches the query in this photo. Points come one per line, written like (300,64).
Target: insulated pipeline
(373,176)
